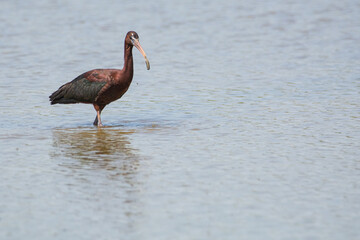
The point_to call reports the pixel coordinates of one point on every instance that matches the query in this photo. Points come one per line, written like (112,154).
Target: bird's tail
(59,96)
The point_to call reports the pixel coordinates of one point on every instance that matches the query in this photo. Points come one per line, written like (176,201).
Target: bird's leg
(99,124)
(98,109)
(97,121)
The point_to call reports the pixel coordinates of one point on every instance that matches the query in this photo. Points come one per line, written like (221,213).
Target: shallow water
(246,126)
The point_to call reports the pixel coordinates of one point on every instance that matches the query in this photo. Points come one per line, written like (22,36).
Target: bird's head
(132,38)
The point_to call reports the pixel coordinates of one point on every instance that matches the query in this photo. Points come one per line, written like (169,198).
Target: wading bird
(101,86)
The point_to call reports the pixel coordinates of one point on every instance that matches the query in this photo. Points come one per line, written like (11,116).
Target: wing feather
(83,89)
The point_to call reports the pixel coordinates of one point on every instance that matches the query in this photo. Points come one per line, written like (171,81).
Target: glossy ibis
(101,86)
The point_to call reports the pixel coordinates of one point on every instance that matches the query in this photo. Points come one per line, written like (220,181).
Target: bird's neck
(128,60)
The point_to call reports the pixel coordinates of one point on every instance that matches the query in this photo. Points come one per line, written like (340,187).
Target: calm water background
(246,126)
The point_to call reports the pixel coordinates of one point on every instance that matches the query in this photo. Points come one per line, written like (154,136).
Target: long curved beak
(138,46)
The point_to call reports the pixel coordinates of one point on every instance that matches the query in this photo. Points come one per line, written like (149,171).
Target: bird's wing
(83,89)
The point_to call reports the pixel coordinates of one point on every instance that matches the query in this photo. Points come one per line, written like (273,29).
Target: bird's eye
(134,36)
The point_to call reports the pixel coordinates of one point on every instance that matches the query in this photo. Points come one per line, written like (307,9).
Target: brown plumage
(101,86)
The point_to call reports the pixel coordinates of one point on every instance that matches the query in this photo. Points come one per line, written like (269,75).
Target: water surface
(246,126)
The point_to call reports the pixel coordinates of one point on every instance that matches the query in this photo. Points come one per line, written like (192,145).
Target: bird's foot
(98,124)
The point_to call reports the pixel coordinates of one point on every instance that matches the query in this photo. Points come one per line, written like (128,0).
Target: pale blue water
(246,126)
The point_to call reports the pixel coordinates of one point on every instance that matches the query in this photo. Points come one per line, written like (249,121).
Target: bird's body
(101,86)
(98,86)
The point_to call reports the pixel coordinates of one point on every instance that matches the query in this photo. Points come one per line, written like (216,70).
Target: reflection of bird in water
(107,149)
(102,170)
